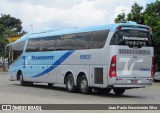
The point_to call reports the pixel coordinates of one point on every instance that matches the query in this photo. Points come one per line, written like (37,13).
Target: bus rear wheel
(70,83)
(119,91)
(83,85)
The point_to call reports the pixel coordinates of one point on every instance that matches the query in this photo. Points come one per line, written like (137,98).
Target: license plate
(134,81)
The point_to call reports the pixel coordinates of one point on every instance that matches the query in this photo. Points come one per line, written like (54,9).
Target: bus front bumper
(11,78)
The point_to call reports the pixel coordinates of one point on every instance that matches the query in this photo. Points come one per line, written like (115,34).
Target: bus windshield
(13,52)
(132,38)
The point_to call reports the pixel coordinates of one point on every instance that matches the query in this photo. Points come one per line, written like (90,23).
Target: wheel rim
(70,83)
(83,85)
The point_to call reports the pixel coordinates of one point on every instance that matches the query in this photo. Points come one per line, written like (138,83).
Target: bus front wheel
(22,82)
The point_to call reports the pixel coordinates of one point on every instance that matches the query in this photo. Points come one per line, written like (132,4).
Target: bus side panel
(50,77)
(14,68)
(82,61)
(99,76)
(30,70)
(104,63)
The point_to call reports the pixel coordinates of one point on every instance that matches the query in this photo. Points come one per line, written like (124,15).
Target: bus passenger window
(33,45)
(99,38)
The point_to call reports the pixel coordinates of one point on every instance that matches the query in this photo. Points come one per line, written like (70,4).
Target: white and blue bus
(117,56)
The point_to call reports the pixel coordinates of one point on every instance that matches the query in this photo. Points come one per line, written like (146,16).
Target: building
(13,38)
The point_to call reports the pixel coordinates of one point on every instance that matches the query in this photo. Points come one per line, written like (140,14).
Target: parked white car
(156,76)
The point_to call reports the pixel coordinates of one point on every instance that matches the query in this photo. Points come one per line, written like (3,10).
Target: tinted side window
(33,45)
(48,43)
(98,38)
(82,41)
(75,41)
(65,42)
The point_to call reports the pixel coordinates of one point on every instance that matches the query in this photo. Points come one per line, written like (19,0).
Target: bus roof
(111,27)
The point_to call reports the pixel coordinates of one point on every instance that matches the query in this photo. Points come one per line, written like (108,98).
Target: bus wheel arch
(19,73)
(20,77)
(67,74)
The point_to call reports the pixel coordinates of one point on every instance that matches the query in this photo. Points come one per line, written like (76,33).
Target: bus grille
(130,51)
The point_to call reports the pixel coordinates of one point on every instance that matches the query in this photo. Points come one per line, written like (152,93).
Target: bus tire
(119,91)
(22,82)
(83,85)
(70,83)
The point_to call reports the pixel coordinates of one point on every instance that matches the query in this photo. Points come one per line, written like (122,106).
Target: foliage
(8,26)
(120,18)
(152,18)
(9,22)
(136,15)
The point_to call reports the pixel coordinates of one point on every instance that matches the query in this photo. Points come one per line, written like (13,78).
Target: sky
(43,15)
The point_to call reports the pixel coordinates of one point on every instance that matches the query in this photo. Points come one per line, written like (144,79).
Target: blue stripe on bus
(57,63)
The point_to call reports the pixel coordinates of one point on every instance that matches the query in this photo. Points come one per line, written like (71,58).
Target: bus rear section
(132,61)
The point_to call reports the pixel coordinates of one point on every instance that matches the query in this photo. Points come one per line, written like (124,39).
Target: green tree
(9,22)
(136,15)
(8,26)
(152,18)
(120,18)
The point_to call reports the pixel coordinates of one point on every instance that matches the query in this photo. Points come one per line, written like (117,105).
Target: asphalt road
(12,93)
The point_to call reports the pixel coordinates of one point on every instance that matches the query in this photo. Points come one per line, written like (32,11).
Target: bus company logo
(135,38)
(42,57)
(128,70)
